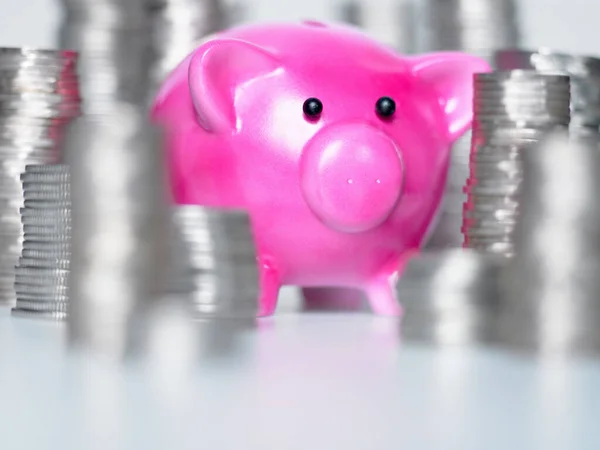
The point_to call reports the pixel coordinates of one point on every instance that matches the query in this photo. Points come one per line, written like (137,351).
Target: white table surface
(302,381)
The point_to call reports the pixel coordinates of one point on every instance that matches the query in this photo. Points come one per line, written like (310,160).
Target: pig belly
(334,260)
(337,272)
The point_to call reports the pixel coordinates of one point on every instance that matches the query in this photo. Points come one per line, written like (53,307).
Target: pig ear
(217,70)
(450,75)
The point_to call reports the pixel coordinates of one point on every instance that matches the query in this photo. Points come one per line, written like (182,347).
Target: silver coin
(39,108)
(40,292)
(44,277)
(495,215)
(35,76)
(30,179)
(487,204)
(63,214)
(501,144)
(48,255)
(50,288)
(498,190)
(45,250)
(57,238)
(56,263)
(53,187)
(499,215)
(47,234)
(44,315)
(47,196)
(49,224)
(491,202)
(57,306)
(40,272)
(39,181)
(29,76)
(503,182)
(40,204)
(20,84)
(487,241)
(46,98)
(47,228)
(36,55)
(492,232)
(57,222)
(47,168)
(51,183)
(503,167)
(41,297)
(53,66)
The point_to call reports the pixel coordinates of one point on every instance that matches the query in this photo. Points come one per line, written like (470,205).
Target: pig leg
(381,290)
(269,290)
(333,298)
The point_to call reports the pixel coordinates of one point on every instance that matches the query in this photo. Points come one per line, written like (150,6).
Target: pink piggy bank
(336,145)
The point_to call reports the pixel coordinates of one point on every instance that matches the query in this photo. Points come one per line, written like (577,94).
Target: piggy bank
(337,146)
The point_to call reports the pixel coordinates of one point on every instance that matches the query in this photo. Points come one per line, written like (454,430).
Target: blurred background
(570,26)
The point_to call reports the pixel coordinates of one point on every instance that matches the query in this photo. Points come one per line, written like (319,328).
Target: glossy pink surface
(355,165)
(337,200)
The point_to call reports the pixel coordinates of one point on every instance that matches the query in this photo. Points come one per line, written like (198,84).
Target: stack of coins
(585,80)
(478,27)
(221,270)
(119,212)
(449,297)
(551,288)
(41,275)
(38,97)
(178,26)
(513,110)
(115,48)
(120,234)
(475,26)
(350,12)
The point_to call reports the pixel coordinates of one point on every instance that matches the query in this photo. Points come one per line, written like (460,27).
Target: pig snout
(351,176)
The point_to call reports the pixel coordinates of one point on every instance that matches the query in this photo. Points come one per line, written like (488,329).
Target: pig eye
(385,107)
(312,107)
